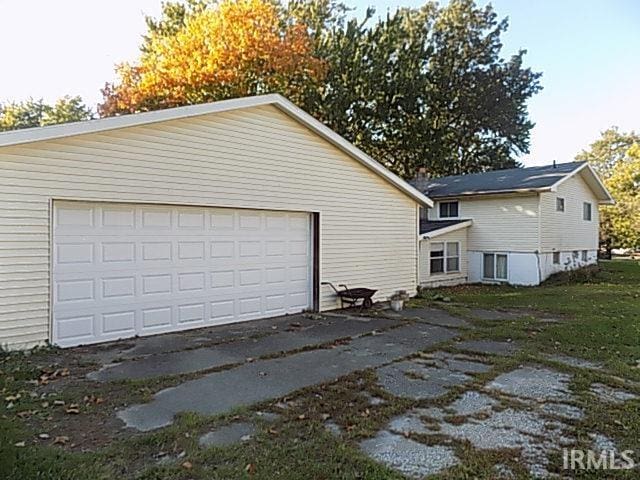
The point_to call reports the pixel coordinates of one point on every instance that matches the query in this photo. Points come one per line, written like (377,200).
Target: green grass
(598,315)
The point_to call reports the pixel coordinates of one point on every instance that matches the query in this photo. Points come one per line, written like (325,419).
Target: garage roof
(30,135)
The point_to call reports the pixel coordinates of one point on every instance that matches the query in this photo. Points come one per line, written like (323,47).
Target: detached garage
(191,217)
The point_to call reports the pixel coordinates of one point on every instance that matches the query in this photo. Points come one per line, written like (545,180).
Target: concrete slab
(610,394)
(472,403)
(407,456)
(488,347)
(171,342)
(228,435)
(434,316)
(188,361)
(261,380)
(540,384)
(575,362)
(413,379)
(459,362)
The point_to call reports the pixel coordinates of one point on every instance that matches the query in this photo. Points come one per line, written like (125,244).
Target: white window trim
(445,257)
(448,218)
(495,267)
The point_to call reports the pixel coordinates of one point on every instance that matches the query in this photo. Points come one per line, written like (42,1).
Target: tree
(206,53)
(35,113)
(622,220)
(615,157)
(423,87)
(609,150)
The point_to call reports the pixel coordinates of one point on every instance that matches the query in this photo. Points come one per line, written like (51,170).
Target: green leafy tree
(609,150)
(423,87)
(616,158)
(35,113)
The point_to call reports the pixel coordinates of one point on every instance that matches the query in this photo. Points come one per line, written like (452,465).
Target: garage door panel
(125,270)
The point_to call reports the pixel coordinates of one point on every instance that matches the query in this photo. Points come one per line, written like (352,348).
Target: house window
(444,257)
(586,211)
(453,257)
(424,214)
(559,204)
(556,258)
(437,258)
(448,209)
(584,255)
(495,266)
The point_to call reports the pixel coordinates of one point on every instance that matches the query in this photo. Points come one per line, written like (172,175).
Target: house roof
(30,135)
(513,180)
(434,228)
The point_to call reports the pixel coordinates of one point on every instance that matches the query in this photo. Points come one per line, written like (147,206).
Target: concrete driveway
(242,364)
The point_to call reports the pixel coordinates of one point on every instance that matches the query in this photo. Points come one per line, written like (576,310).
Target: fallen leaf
(58,402)
(19,444)
(61,440)
(73,408)
(43,436)
(273,431)
(250,469)
(23,414)
(187,465)
(301,417)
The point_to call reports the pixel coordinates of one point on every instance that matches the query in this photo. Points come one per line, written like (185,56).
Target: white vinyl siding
(251,158)
(457,238)
(504,223)
(567,231)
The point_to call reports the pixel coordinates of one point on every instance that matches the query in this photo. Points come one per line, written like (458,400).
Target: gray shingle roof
(502,181)
(427,226)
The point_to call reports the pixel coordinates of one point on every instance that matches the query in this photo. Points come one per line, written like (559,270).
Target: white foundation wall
(522,268)
(249,158)
(569,260)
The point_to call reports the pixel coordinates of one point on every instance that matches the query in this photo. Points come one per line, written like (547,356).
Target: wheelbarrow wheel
(367,302)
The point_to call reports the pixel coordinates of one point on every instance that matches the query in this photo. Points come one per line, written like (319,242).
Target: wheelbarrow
(351,296)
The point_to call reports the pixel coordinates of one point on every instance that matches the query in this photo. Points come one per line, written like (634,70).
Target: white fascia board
(444,230)
(605,197)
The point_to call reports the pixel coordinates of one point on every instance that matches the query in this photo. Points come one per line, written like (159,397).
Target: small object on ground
(60,440)
(396,301)
(351,296)
(43,436)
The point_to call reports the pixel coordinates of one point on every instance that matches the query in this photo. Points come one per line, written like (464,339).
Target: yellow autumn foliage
(234,49)
(622,220)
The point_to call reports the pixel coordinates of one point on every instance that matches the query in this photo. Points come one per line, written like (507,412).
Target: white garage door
(121,270)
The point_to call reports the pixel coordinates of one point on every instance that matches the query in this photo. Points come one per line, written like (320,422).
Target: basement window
(556,258)
(584,255)
(495,266)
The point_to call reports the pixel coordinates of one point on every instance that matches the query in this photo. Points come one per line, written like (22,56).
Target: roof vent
(554,164)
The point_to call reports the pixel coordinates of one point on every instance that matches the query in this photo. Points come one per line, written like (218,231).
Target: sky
(587,50)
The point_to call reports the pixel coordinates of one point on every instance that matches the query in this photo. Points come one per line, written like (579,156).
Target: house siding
(500,223)
(444,279)
(252,158)
(567,231)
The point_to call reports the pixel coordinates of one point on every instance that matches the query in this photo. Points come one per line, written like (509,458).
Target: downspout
(539,238)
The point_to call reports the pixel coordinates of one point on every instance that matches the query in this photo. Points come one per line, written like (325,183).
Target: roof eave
(521,191)
(444,230)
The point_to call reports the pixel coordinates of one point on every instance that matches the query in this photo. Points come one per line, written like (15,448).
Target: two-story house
(516,226)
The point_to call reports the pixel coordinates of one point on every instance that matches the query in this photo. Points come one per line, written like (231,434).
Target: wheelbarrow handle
(331,285)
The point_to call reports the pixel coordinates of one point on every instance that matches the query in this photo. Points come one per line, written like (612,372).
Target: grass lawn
(593,317)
